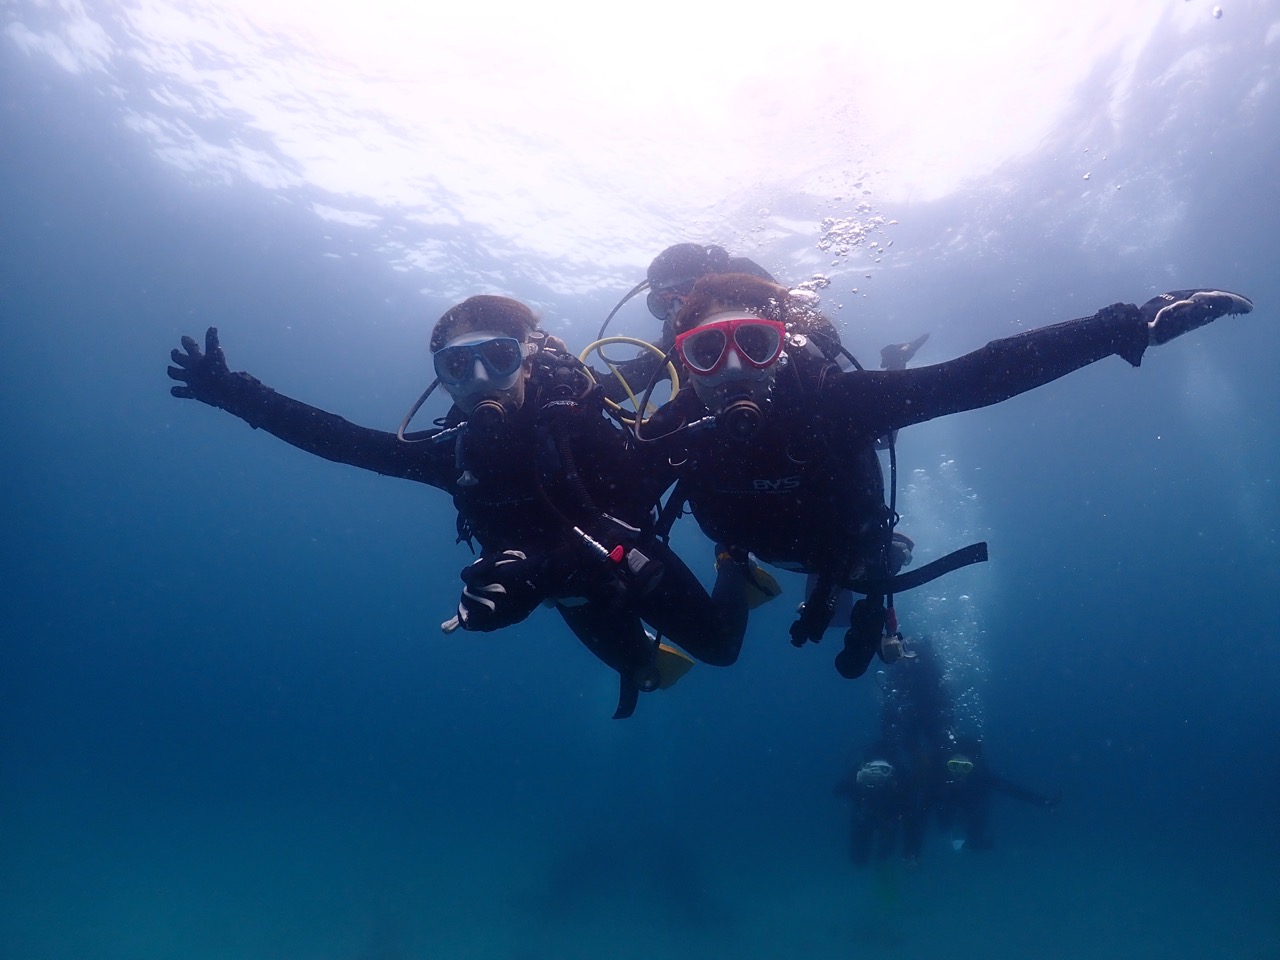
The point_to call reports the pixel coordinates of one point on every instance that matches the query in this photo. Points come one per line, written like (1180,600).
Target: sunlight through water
(572,136)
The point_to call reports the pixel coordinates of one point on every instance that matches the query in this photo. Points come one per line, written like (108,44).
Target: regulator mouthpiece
(741,418)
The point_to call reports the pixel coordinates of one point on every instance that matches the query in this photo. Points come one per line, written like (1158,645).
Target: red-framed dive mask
(758,344)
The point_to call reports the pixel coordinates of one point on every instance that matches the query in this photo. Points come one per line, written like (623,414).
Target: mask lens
(758,343)
(702,349)
(502,356)
(454,365)
(667,297)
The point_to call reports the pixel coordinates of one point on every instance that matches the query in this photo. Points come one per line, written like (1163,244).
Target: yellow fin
(672,665)
(761,586)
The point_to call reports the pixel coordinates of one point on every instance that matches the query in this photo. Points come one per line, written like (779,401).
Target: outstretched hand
(1172,314)
(204,376)
(501,589)
(896,356)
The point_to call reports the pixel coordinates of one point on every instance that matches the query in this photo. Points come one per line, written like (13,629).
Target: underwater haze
(230,726)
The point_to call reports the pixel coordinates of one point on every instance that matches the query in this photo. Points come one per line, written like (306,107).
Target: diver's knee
(722,657)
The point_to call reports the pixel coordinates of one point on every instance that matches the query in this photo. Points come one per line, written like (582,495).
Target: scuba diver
(917,705)
(774,443)
(963,790)
(917,727)
(559,497)
(890,788)
(887,806)
(668,282)
(919,765)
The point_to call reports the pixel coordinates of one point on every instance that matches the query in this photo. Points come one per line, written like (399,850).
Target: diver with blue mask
(558,496)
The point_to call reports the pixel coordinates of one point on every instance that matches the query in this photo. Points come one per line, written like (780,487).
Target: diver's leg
(616,638)
(977,820)
(914,818)
(619,639)
(710,628)
(862,639)
(886,836)
(861,835)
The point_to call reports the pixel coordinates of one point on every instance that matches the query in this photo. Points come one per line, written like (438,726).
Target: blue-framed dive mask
(501,358)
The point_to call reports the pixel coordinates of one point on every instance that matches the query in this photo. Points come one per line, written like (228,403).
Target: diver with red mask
(775,442)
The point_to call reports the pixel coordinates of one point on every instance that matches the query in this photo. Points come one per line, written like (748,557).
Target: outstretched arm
(1008,788)
(996,372)
(204,376)
(1005,368)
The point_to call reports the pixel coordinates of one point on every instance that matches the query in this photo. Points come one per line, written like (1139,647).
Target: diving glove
(896,356)
(500,589)
(1172,314)
(204,376)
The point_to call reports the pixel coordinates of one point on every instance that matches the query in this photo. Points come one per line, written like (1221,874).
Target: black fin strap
(671,511)
(974,553)
(628,697)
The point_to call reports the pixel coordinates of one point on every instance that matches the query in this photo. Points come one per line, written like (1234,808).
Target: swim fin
(760,585)
(672,665)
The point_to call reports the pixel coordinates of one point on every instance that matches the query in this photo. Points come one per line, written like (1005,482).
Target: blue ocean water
(230,728)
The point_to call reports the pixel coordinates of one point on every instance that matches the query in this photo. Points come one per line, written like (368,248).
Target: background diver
(887,806)
(962,788)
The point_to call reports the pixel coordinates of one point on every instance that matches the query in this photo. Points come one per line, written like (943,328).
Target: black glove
(501,589)
(896,356)
(205,376)
(1172,314)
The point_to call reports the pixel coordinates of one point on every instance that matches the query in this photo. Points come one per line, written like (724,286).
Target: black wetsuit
(524,486)
(917,716)
(917,708)
(805,490)
(963,802)
(886,813)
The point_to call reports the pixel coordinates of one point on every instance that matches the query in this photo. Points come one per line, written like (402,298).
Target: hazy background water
(228,724)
